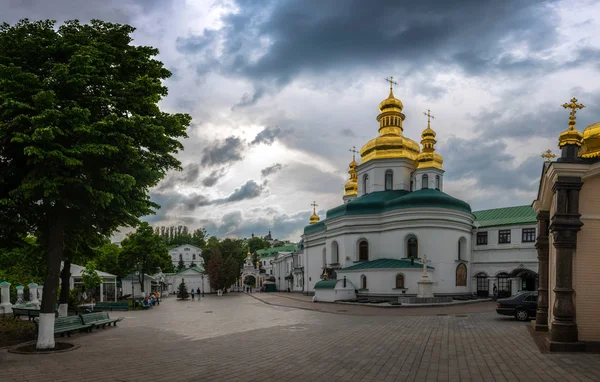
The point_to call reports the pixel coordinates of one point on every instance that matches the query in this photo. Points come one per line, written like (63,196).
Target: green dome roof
(381,201)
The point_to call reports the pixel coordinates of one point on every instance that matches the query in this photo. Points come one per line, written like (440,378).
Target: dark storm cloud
(348,133)
(213,177)
(226,151)
(309,178)
(318,36)
(187,177)
(271,169)
(249,190)
(12,11)
(268,135)
(172,204)
(490,164)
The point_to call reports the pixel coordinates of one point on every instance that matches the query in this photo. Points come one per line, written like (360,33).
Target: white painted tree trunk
(63,310)
(46,331)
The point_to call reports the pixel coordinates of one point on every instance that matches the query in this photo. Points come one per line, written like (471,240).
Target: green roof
(381,201)
(505,216)
(385,263)
(326,284)
(275,250)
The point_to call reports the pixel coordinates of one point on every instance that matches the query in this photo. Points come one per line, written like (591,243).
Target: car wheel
(521,315)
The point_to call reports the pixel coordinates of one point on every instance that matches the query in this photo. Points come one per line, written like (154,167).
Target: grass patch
(14,331)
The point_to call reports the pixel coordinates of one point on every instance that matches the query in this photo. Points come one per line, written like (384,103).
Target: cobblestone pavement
(239,338)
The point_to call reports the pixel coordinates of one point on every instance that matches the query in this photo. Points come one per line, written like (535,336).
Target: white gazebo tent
(108,288)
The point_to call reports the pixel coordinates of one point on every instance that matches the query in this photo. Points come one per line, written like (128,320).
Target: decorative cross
(314,205)
(429,116)
(391,81)
(353,150)
(548,155)
(573,105)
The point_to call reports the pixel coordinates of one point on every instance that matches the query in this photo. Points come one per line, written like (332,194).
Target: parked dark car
(522,305)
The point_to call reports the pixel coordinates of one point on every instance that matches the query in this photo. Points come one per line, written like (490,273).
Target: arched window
(365,183)
(437,182)
(399,281)
(363,282)
(193,257)
(324,257)
(461,275)
(363,251)
(334,253)
(425,182)
(412,247)
(389,180)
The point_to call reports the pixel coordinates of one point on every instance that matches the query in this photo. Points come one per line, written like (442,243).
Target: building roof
(381,201)
(275,250)
(385,263)
(195,268)
(326,284)
(131,276)
(77,271)
(505,216)
(185,245)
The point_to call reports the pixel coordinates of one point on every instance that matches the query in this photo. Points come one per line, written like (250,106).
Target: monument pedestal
(425,288)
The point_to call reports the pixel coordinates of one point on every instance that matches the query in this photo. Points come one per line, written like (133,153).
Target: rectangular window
(528,235)
(481,238)
(504,236)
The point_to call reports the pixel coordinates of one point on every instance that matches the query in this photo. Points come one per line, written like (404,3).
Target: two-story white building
(188,253)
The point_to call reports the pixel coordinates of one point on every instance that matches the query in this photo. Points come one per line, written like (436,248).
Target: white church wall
(401,168)
(189,254)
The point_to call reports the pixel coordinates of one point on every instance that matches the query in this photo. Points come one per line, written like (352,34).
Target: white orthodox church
(395,212)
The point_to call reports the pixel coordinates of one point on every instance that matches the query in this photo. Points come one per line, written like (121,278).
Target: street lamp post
(202,286)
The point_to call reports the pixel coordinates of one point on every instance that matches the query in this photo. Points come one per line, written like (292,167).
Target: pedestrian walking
(192,294)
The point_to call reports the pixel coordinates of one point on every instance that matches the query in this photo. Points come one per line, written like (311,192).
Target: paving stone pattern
(240,338)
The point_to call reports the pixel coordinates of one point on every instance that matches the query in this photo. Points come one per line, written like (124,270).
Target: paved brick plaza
(240,338)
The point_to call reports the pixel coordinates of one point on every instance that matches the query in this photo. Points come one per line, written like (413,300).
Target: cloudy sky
(281,90)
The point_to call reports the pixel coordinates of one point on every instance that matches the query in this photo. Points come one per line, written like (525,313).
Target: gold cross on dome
(314,205)
(548,155)
(429,116)
(353,150)
(573,105)
(391,81)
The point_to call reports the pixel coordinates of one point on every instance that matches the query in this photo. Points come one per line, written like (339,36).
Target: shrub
(13,331)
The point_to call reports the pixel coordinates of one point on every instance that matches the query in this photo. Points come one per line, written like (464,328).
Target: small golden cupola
(590,146)
(314,218)
(428,158)
(351,187)
(390,143)
(571,136)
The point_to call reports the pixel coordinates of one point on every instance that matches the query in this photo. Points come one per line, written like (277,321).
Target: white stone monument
(5,306)
(425,284)
(40,290)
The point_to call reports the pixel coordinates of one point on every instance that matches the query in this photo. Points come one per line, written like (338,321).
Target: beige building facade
(568,241)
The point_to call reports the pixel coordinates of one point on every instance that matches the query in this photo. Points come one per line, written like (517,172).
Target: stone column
(543,248)
(5,305)
(20,294)
(40,291)
(102,291)
(564,227)
(33,297)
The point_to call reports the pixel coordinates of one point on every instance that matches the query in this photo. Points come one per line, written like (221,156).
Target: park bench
(67,325)
(109,305)
(30,313)
(99,318)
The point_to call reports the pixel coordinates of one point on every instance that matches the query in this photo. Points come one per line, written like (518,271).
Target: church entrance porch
(525,280)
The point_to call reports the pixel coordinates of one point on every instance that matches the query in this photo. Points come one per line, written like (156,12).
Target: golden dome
(428,158)
(314,218)
(571,136)
(590,147)
(390,143)
(351,187)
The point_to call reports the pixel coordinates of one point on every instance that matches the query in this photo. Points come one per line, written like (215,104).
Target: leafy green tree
(145,252)
(107,259)
(216,271)
(91,279)
(180,265)
(257,243)
(82,138)
(182,292)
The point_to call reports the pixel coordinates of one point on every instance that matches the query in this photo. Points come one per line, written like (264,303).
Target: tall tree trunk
(65,288)
(56,247)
